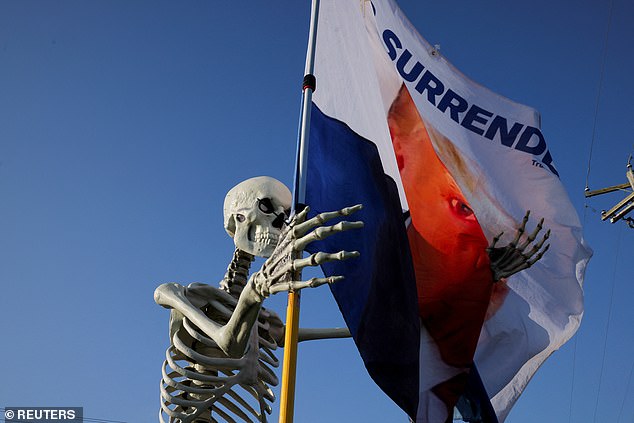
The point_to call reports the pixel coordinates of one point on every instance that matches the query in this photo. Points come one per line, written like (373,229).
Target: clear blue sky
(124,123)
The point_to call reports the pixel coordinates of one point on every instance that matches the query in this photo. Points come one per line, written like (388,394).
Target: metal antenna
(623,207)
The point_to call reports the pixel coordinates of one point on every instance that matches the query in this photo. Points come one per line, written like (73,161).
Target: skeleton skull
(254,213)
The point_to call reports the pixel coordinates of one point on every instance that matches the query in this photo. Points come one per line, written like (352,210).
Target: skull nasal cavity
(279,221)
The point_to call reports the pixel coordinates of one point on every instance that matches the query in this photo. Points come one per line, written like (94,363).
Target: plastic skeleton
(222,341)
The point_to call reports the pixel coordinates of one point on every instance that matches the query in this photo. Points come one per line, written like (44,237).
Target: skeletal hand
(517,256)
(278,272)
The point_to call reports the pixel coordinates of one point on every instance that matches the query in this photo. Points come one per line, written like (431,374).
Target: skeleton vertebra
(221,356)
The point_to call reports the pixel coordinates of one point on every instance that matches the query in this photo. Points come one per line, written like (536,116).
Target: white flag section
(399,128)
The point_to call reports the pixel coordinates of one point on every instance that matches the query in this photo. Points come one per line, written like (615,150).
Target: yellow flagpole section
(287,400)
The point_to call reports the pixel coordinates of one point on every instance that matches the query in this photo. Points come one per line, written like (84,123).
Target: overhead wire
(607,325)
(627,388)
(572,383)
(599,90)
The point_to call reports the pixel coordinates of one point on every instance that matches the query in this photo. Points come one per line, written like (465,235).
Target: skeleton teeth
(266,238)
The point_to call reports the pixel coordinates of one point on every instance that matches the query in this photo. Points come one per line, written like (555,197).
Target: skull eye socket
(240,217)
(265,205)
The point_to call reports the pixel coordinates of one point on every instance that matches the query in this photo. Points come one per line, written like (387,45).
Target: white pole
(307,97)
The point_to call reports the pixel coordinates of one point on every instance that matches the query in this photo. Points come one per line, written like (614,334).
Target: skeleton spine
(237,273)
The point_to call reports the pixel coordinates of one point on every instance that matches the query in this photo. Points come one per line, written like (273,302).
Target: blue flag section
(474,404)
(378,296)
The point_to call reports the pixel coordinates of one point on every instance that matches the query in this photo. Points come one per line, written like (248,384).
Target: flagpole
(289,366)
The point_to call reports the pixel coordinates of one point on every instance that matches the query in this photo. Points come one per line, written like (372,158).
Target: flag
(442,165)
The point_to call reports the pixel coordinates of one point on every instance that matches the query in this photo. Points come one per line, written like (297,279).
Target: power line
(607,325)
(627,388)
(572,383)
(599,89)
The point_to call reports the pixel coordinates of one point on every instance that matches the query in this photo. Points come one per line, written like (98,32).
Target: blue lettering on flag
(476,119)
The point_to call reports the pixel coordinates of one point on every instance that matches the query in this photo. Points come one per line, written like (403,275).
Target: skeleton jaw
(264,240)
(257,240)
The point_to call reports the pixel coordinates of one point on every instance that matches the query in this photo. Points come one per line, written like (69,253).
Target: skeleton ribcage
(201,383)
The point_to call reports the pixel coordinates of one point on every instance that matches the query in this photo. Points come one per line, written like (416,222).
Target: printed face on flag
(453,277)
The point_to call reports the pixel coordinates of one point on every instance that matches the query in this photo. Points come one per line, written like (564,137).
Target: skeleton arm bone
(233,337)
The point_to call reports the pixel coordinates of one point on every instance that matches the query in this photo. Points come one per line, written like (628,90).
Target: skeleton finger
(519,254)
(496,239)
(279,259)
(299,218)
(300,244)
(538,256)
(298,228)
(324,232)
(298,285)
(512,266)
(513,263)
(320,258)
(510,272)
(315,259)
(538,246)
(500,256)
(533,235)
(320,219)
(513,257)
(520,230)
(513,246)
(521,263)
